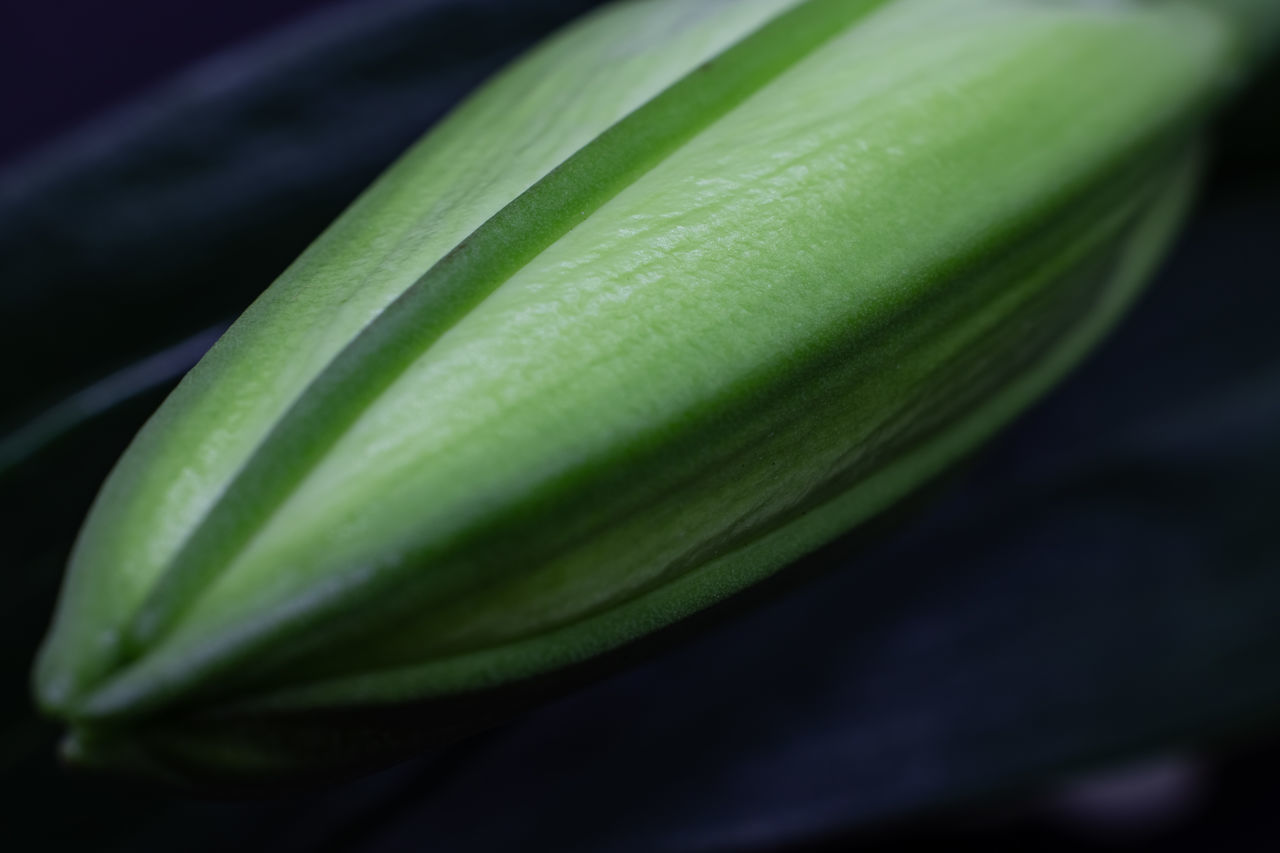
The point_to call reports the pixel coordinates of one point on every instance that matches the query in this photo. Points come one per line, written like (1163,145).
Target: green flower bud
(682,295)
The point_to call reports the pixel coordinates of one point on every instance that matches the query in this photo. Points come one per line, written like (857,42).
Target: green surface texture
(678,297)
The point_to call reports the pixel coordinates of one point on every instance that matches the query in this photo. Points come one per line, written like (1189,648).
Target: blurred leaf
(151,373)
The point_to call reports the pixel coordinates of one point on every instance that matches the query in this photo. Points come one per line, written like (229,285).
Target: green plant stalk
(679,297)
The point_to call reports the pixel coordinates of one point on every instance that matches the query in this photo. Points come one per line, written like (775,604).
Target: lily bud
(682,295)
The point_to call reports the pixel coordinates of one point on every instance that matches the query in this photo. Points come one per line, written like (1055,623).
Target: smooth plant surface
(677,298)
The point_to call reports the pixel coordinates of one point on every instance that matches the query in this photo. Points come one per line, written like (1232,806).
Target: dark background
(1070,643)
(66,61)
